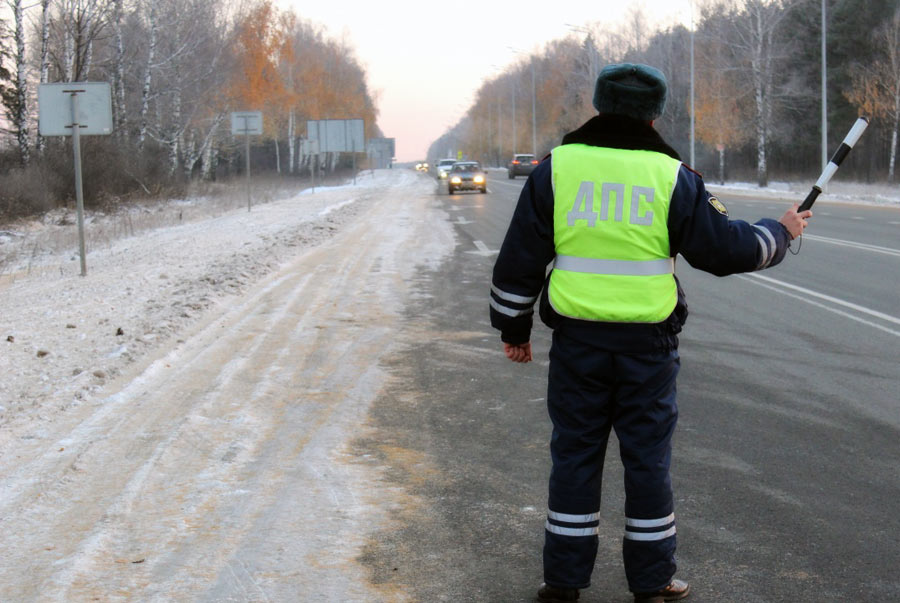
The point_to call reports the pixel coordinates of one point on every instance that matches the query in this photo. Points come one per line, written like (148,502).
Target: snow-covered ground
(155,270)
(166,283)
(63,336)
(169,420)
(836,191)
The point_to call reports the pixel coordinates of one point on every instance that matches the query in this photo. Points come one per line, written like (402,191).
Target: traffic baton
(855,132)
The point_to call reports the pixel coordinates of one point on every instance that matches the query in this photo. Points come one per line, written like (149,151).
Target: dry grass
(49,242)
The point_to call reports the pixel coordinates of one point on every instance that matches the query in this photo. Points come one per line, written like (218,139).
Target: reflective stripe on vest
(610,225)
(618,267)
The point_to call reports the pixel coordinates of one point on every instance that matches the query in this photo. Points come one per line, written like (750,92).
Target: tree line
(177,69)
(757,93)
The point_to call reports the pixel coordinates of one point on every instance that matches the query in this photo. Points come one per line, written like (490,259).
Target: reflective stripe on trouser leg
(646,414)
(581,426)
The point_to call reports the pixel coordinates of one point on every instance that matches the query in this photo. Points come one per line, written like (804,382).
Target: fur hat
(635,90)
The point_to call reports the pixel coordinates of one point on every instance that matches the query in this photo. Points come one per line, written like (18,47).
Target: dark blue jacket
(699,230)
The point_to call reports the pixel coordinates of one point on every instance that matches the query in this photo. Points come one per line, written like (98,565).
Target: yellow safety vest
(610,229)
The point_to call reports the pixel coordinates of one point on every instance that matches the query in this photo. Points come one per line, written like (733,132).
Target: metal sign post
(247,123)
(338,136)
(247,157)
(313,161)
(79,189)
(76,109)
(309,148)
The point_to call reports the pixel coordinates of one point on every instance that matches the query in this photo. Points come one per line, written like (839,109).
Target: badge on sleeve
(718,205)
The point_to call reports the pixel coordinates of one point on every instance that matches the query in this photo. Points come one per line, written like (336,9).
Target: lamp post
(514,114)
(594,53)
(500,118)
(534,113)
(693,164)
(499,132)
(824,97)
(533,102)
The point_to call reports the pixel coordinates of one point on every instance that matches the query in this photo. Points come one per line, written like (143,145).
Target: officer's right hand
(795,222)
(518,353)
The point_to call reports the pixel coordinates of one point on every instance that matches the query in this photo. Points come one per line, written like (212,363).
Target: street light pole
(499,131)
(514,114)
(693,164)
(533,106)
(824,97)
(534,113)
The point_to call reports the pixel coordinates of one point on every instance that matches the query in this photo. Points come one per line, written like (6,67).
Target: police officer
(610,208)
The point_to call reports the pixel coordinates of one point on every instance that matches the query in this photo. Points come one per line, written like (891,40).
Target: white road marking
(461,220)
(804,294)
(863,246)
(483,250)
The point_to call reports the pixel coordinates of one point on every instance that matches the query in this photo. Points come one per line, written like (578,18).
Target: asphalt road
(787,454)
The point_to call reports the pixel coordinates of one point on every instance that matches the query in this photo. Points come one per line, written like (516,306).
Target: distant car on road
(466,176)
(521,165)
(442,168)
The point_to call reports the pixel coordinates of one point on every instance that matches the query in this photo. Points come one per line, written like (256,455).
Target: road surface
(350,431)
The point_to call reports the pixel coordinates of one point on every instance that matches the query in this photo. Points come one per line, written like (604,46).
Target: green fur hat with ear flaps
(635,90)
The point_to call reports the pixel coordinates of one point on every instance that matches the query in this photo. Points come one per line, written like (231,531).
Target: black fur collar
(620,132)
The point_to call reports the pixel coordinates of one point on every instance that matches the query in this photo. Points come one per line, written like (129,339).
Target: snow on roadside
(836,191)
(63,336)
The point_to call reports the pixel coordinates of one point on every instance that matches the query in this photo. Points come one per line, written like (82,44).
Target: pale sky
(426,59)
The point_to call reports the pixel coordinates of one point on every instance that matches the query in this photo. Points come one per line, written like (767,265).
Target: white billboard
(91,101)
(338,135)
(246,122)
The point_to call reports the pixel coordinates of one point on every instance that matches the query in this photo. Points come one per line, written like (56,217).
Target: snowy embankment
(836,192)
(171,419)
(63,336)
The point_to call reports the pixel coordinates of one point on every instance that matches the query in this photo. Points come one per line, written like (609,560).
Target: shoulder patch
(718,205)
(690,169)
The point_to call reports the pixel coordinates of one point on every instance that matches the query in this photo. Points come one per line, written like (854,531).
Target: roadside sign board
(381,152)
(246,122)
(308,147)
(338,135)
(75,109)
(93,111)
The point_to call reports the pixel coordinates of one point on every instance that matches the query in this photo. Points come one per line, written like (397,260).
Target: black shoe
(554,594)
(675,591)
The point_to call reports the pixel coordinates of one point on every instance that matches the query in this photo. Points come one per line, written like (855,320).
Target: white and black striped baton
(849,140)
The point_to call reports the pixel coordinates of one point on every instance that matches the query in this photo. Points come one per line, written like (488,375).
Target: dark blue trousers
(591,391)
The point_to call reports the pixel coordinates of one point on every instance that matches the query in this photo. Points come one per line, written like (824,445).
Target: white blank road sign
(246,122)
(55,108)
(338,135)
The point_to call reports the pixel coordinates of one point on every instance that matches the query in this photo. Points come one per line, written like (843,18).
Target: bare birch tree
(118,80)
(44,61)
(189,80)
(759,51)
(876,88)
(19,108)
(147,80)
(80,23)
(7,89)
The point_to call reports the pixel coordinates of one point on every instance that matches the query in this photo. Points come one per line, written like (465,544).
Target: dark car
(521,165)
(466,176)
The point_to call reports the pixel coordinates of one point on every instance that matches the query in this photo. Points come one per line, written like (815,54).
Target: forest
(746,78)
(757,89)
(177,69)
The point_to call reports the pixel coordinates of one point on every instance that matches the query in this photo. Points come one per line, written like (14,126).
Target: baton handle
(810,199)
(849,140)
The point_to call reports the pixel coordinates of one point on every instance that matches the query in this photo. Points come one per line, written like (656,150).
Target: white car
(442,168)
